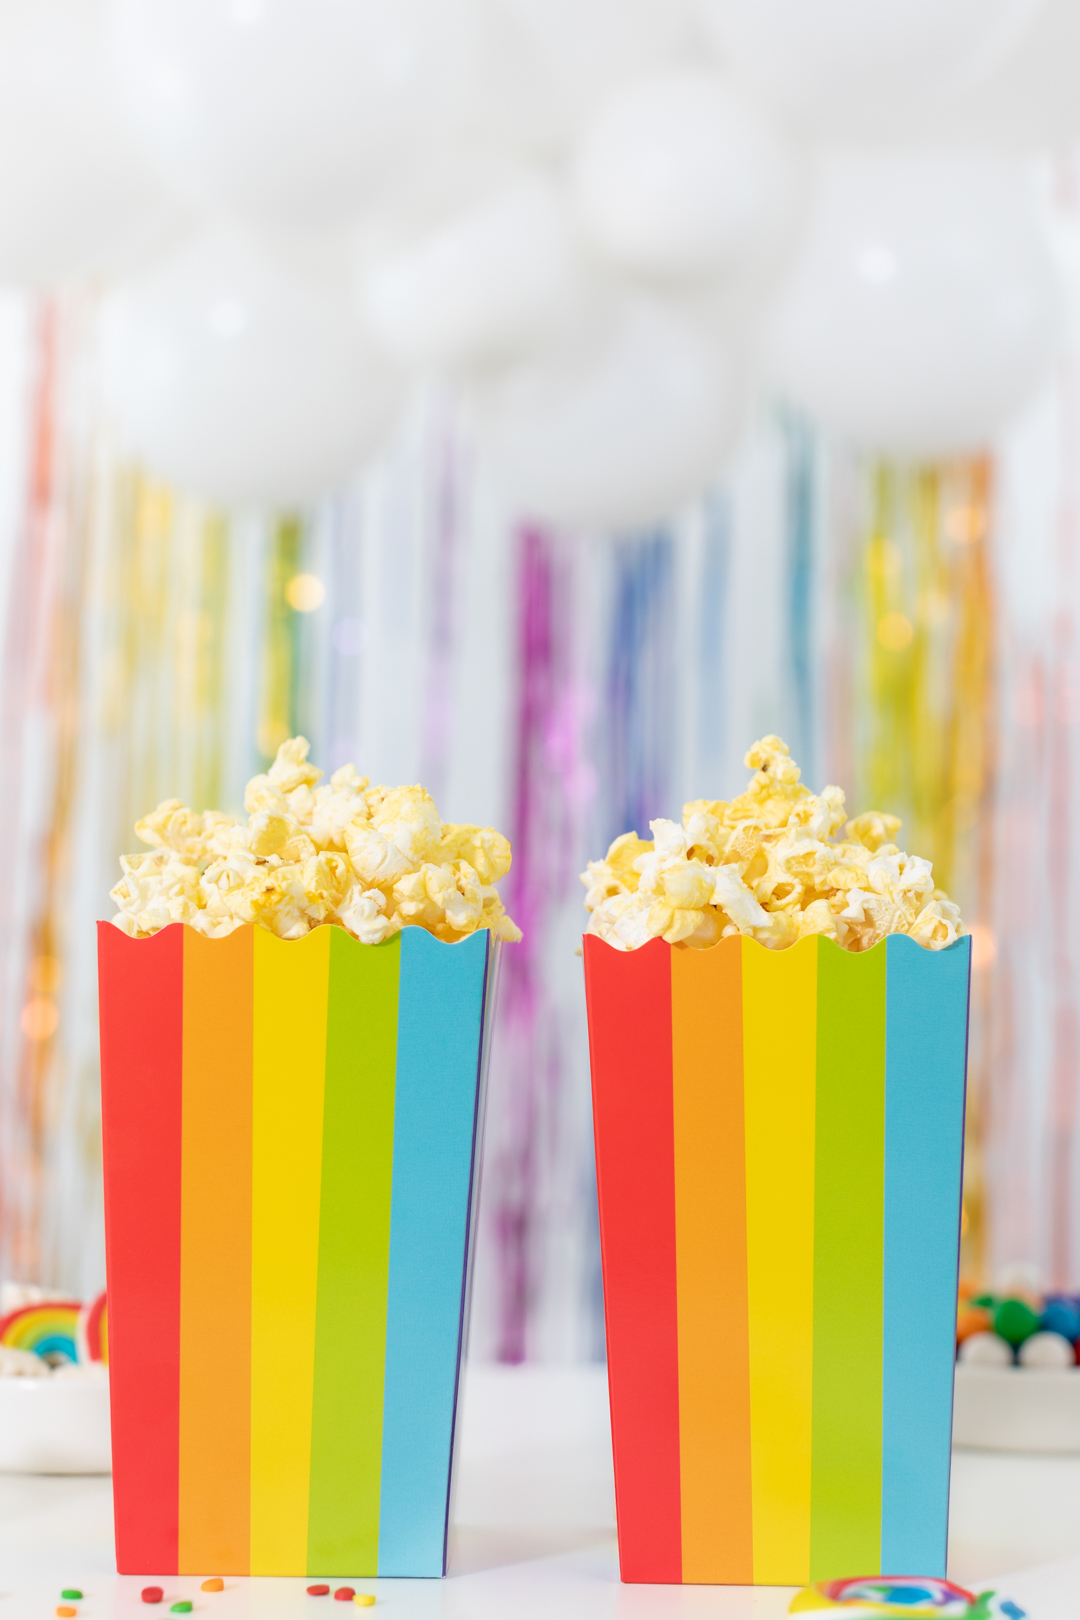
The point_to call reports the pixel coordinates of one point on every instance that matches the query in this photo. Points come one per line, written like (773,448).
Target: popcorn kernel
(769,864)
(372,859)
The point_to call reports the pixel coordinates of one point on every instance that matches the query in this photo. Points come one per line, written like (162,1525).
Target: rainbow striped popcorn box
(291,1146)
(779,1145)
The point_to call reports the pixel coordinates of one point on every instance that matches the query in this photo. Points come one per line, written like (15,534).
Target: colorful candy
(972,1319)
(985,1350)
(318,1591)
(994,1329)
(344,1594)
(66,1610)
(903,1597)
(364,1600)
(71,1594)
(49,1329)
(1047,1350)
(214,1584)
(1014,1321)
(1060,1315)
(183,1607)
(152,1594)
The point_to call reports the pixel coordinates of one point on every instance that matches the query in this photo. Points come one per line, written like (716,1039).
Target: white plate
(57,1425)
(1017,1408)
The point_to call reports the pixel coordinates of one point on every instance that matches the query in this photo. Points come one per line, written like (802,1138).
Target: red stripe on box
(141,983)
(629,1002)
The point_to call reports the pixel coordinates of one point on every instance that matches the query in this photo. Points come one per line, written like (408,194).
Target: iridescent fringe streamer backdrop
(924,714)
(877,616)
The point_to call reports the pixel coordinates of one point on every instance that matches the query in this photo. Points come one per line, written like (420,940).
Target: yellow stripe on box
(290,1009)
(779,1077)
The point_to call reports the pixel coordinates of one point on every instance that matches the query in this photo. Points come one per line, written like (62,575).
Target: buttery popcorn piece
(375,860)
(769,864)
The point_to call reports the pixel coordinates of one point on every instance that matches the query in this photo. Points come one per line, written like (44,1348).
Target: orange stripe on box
(215,1256)
(710,1241)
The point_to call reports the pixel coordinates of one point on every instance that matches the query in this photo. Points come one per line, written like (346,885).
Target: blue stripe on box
(441,1002)
(925,1069)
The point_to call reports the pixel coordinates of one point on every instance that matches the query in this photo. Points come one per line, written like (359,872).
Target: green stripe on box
(849,1178)
(354,1257)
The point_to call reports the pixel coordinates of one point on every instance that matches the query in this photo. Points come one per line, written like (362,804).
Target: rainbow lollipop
(49,1329)
(903,1597)
(93,1334)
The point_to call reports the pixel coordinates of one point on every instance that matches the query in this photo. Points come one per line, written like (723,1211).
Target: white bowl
(1017,1408)
(56,1425)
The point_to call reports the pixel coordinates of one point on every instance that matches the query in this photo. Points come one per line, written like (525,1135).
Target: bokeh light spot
(894,631)
(305,593)
(349,637)
(983,946)
(39,1019)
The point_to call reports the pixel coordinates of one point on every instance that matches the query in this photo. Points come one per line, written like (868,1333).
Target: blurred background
(543,399)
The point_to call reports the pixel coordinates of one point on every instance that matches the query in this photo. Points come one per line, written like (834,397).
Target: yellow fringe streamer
(926,730)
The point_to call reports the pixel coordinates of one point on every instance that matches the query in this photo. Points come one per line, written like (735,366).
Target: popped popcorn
(374,859)
(769,864)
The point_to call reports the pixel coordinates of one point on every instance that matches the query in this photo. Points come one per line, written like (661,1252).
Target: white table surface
(535,1536)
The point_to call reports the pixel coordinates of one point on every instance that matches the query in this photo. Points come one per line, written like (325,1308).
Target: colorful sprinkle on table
(364,1599)
(214,1584)
(66,1610)
(71,1594)
(152,1594)
(344,1594)
(183,1607)
(318,1591)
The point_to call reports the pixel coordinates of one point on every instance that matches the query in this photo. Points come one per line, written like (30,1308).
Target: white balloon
(548,62)
(681,176)
(239,379)
(431,192)
(485,287)
(1029,100)
(821,59)
(617,427)
(923,310)
(292,110)
(76,194)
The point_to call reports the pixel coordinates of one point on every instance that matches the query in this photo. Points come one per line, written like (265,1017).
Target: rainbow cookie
(93,1331)
(902,1597)
(49,1329)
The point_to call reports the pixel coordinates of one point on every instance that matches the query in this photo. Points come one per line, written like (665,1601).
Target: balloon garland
(597,219)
